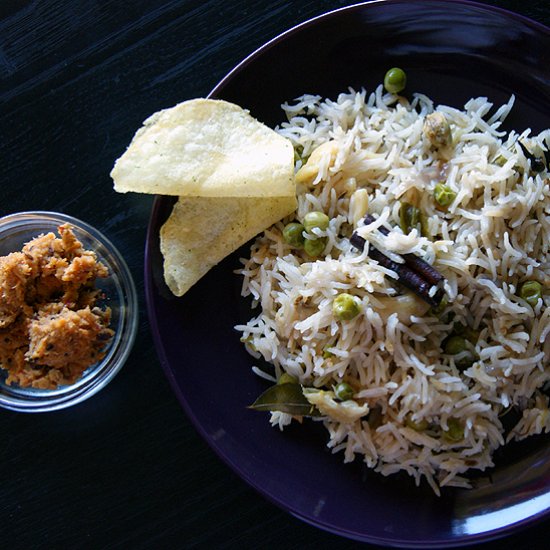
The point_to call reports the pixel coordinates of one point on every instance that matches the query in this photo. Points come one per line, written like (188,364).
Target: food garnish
(537,164)
(286,397)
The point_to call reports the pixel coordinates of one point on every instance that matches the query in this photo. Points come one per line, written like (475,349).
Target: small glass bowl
(118,293)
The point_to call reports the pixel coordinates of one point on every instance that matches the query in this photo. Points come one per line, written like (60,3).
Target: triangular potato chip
(206,148)
(201,231)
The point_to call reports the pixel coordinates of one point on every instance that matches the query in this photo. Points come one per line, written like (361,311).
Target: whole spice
(414,274)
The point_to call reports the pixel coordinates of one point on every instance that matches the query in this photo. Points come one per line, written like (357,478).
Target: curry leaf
(288,398)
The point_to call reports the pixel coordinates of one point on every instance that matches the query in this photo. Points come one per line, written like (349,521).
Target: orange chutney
(51,330)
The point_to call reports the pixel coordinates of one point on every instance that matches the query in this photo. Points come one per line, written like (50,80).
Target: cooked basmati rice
(491,238)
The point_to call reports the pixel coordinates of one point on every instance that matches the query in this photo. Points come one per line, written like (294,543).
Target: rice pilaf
(416,406)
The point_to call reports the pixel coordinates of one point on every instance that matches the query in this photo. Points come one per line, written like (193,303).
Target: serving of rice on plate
(417,404)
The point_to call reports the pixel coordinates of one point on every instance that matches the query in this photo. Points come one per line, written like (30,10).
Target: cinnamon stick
(420,280)
(417,264)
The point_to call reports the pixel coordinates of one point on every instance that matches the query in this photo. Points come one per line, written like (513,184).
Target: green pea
(395,80)
(455,345)
(375,418)
(438,310)
(465,331)
(286,378)
(455,430)
(443,194)
(314,247)
(298,153)
(313,220)
(531,292)
(419,426)
(345,307)
(293,234)
(500,160)
(409,218)
(343,391)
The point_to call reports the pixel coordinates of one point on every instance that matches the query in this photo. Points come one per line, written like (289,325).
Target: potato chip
(206,148)
(201,231)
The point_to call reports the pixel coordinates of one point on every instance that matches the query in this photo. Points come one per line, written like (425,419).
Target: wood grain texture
(126,469)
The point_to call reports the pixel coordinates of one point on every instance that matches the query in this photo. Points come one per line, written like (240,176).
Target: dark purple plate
(450,51)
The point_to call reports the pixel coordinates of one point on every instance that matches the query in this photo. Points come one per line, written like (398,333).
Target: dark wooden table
(126,469)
